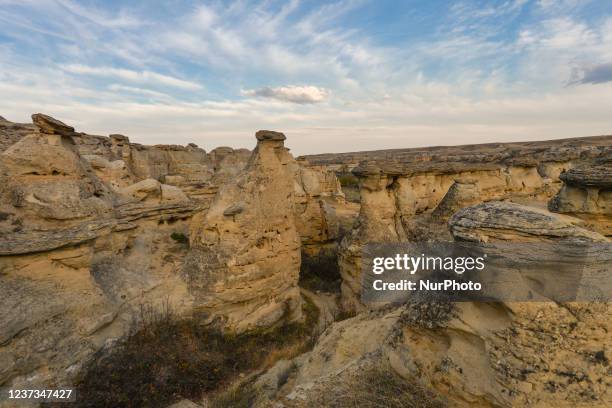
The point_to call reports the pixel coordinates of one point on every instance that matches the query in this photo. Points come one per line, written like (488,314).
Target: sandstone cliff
(410,194)
(467,354)
(94,227)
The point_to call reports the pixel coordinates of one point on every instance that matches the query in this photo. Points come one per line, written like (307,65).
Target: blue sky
(334,76)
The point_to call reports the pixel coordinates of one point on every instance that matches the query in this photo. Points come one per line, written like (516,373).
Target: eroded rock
(514,222)
(245,254)
(47,124)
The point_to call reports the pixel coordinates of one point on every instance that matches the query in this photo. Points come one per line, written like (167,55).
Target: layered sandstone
(93,227)
(587,194)
(470,354)
(245,250)
(506,221)
(410,194)
(77,258)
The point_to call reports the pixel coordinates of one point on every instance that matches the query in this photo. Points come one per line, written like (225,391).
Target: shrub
(320,271)
(429,312)
(180,238)
(348,180)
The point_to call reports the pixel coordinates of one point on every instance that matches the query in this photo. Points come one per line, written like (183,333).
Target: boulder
(506,221)
(589,176)
(172,194)
(145,189)
(586,190)
(262,135)
(47,124)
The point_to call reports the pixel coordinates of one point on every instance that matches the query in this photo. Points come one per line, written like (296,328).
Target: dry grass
(239,396)
(377,386)
(167,358)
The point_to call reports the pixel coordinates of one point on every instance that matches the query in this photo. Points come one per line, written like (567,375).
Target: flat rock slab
(51,126)
(595,176)
(269,135)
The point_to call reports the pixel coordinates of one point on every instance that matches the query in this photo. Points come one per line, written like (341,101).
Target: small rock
(234,209)
(185,404)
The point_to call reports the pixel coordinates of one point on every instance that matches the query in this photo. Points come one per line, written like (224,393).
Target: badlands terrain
(243,243)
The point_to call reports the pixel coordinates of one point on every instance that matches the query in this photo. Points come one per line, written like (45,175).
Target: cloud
(132,76)
(138,91)
(290,93)
(479,72)
(597,74)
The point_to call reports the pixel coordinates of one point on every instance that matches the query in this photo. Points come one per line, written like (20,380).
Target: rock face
(245,256)
(410,194)
(470,354)
(460,194)
(587,194)
(483,355)
(92,227)
(11,133)
(45,181)
(76,258)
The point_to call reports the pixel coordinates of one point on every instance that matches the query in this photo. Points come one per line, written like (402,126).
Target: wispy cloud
(144,77)
(139,91)
(329,72)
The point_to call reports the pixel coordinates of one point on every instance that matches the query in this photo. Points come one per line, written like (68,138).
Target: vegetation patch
(237,396)
(350,187)
(377,386)
(320,272)
(348,180)
(166,358)
(428,313)
(180,238)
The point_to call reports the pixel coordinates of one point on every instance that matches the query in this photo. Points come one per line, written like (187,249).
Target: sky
(334,76)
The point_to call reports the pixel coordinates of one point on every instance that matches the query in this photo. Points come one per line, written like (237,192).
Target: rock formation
(77,259)
(410,194)
(92,227)
(469,354)
(245,250)
(587,194)
(505,221)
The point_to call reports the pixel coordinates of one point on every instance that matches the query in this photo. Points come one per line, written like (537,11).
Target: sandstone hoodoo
(245,250)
